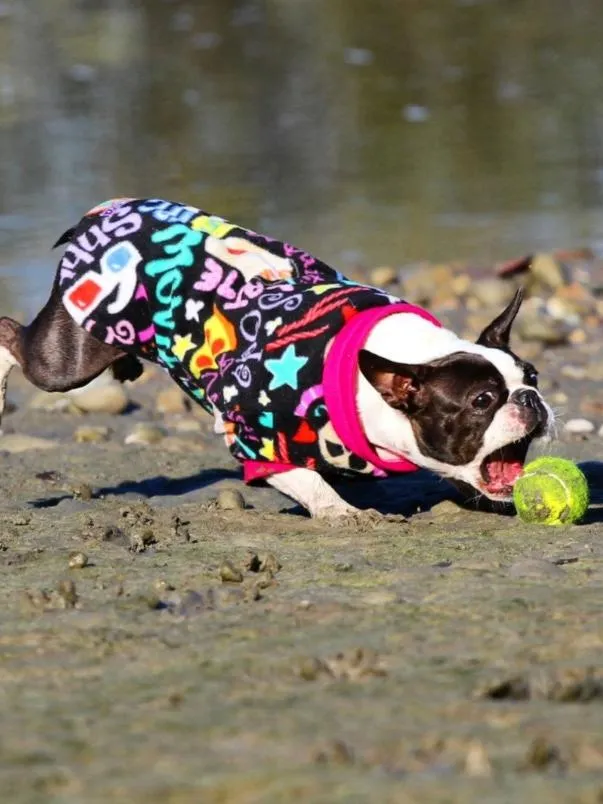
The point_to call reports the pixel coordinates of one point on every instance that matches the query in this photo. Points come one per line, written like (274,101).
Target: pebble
(78,560)
(559,398)
(172,400)
(230,574)
(577,337)
(491,293)
(546,271)
(382,276)
(460,284)
(81,491)
(477,762)
(145,434)
(573,372)
(53,403)
(579,426)
(15,442)
(109,397)
(140,540)
(447,508)
(230,500)
(91,435)
(534,324)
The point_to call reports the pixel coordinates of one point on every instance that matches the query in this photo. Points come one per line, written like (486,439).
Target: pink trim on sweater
(256,470)
(340,382)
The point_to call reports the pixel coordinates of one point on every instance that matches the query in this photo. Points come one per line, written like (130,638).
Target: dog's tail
(66,237)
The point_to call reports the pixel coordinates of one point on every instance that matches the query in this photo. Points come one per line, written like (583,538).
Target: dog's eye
(531,377)
(483,400)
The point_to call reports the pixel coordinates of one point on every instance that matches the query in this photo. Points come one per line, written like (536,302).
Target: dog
(306,373)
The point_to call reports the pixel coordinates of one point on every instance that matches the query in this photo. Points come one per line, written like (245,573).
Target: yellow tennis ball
(551,491)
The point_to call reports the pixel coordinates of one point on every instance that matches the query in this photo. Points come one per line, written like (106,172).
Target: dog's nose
(527,398)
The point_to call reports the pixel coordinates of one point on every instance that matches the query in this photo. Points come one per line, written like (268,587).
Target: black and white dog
(305,372)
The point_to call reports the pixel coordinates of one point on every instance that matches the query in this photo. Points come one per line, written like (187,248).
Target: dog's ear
(496,334)
(398,383)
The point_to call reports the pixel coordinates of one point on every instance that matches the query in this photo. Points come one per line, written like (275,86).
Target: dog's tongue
(502,475)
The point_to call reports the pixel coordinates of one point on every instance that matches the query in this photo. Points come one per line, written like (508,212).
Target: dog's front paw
(335,512)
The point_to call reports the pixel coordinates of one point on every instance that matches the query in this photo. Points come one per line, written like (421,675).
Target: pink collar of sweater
(340,382)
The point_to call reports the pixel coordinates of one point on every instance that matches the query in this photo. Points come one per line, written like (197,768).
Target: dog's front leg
(311,491)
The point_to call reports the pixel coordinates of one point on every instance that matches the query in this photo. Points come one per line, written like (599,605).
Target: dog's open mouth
(502,467)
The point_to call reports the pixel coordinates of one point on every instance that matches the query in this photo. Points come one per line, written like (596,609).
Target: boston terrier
(306,373)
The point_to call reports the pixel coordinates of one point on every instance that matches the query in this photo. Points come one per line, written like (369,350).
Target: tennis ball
(551,491)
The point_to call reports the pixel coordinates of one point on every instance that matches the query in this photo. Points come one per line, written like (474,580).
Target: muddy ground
(455,657)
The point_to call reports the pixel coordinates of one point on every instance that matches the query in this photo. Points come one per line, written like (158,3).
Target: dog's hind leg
(55,354)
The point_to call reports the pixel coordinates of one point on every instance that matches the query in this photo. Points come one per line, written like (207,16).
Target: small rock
(491,293)
(573,372)
(105,397)
(460,284)
(380,277)
(141,539)
(172,400)
(559,398)
(543,755)
(534,324)
(91,435)
(145,434)
(230,574)
(15,443)
(446,508)
(52,403)
(477,763)
(579,426)
(78,560)
(270,563)
(161,585)
(577,337)
(230,500)
(312,668)
(420,282)
(548,272)
(81,491)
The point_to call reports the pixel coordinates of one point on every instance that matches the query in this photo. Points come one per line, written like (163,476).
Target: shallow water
(369,133)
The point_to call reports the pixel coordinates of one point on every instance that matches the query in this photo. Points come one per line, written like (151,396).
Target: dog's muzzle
(535,411)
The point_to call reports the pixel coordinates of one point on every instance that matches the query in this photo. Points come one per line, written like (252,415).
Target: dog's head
(469,415)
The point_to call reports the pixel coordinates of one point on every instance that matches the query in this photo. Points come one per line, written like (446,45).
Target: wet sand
(338,663)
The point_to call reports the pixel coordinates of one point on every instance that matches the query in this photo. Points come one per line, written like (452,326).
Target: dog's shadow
(405,494)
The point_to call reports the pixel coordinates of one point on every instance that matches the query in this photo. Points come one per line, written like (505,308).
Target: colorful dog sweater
(240,321)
